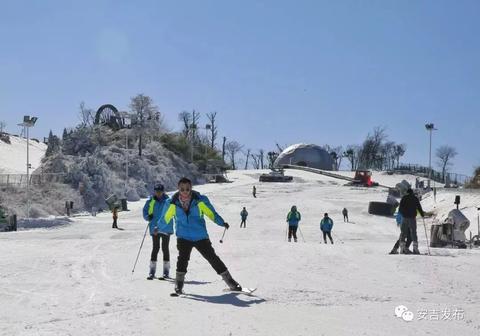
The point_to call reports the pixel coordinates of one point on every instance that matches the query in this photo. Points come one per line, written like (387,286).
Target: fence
(415,169)
(20,180)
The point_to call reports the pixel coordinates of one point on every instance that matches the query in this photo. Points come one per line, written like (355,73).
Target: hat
(410,191)
(158,187)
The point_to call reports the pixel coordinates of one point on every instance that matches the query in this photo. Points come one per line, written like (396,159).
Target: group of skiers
(293,219)
(406,218)
(187,207)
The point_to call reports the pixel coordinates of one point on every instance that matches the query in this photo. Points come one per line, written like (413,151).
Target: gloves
(226,225)
(150,217)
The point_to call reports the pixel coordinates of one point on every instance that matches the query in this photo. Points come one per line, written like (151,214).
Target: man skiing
(409,205)
(244,215)
(326,225)
(188,207)
(293,218)
(152,211)
(394,250)
(345,215)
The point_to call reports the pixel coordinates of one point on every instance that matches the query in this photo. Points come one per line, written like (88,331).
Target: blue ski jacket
(154,207)
(293,218)
(326,224)
(190,224)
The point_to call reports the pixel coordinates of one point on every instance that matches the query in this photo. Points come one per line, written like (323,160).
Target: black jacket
(409,206)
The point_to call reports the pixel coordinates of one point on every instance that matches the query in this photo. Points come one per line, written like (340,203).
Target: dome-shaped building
(305,155)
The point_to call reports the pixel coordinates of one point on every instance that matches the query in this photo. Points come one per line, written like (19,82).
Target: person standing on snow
(409,205)
(326,225)
(254,192)
(244,215)
(152,211)
(188,207)
(293,218)
(115,217)
(345,215)
(394,250)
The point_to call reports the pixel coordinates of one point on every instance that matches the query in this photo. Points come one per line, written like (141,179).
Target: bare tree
(256,161)
(248,156)
(3,125)
(399,151)
(194,126)
(232,148)
(87,115)
(352,153)
(212,118)
(272,156)
(444,155)
(147,116)
(261,155)
(186,118)
(336,153)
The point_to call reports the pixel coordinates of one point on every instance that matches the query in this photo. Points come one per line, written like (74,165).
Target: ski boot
(179,280)
(415,248)
(231,283)
(153,268)
(394,251)
(166,269)
(295,240)
(289,240)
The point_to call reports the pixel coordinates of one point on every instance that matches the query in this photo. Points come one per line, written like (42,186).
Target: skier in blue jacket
(152,211)
(293,218)
(326,225)
(188,207)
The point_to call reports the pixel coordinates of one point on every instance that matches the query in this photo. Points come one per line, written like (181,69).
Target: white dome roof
(308,155)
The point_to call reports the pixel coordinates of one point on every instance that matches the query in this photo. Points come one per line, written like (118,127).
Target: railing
(422,171)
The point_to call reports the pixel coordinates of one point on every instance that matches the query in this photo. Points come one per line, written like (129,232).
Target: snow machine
(276,175)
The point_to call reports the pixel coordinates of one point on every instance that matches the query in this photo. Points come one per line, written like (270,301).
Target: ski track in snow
(77,279)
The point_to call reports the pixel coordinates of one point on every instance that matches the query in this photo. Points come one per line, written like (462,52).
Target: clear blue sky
(275,71)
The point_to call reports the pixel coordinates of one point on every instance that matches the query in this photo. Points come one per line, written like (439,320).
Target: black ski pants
(409,226)
(292,231)
(156,247)
(325,234)
(206,250)
(244,223)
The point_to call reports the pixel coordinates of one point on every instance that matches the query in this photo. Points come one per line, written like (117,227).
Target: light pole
(430,127)
(126,115)
(27,123)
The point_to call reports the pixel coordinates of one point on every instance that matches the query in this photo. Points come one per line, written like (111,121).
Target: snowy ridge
(76,279)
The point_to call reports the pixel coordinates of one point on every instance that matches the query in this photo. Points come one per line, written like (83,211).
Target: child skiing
(293,218)
(188,207)
(152,211)
(345,215)
(326,225)
(394,250)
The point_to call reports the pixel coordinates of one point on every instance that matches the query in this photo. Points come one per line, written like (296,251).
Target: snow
(77,279)
(14,155)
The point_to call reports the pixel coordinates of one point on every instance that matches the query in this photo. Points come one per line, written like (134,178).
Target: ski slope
(14,155)
(77,279)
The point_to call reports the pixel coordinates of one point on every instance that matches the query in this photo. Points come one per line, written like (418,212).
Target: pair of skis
(245,291)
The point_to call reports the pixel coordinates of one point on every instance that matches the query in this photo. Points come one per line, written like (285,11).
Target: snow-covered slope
(77,279)
(14,156)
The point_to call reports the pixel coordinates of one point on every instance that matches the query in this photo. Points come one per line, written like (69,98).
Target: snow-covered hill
(77,279)
(14,155)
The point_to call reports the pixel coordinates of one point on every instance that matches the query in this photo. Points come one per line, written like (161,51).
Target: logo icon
(403,313)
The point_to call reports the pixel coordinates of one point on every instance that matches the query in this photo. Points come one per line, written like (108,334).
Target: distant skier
(188,207)
(115,217)
(326,225)
(244,215)
(409,205)
(345,215)
(394,250)
(293,218)
(152,210)
(254,192)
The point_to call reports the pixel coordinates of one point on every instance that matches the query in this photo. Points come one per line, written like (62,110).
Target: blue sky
(275,71)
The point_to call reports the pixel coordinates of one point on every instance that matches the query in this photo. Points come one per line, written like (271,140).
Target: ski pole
(224,231)
(426,236)
(300,230)
(133,270)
